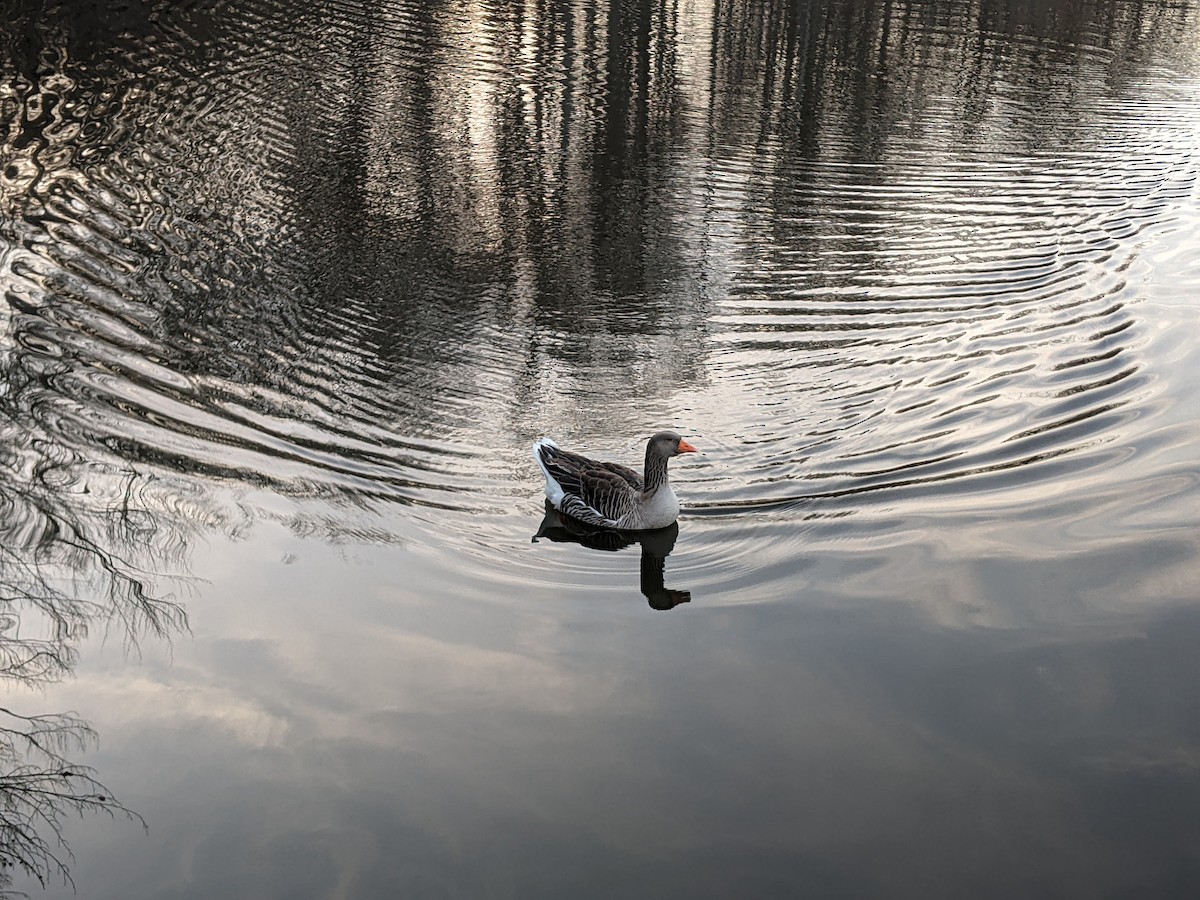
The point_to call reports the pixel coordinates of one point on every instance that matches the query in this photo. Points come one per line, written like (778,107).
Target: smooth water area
(290,289)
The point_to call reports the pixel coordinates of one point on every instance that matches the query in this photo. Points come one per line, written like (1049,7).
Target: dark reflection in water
(288,289)
(578,220)
(71,562)
(656,547)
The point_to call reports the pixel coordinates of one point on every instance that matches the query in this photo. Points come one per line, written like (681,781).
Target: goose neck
(656,470)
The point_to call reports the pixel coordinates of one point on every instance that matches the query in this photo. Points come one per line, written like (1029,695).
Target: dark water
(290,291)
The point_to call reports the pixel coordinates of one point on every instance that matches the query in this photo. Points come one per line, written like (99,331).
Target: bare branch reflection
(65,567)
(78,549)
(39,787)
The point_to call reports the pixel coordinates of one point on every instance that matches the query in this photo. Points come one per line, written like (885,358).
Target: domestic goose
(610,495)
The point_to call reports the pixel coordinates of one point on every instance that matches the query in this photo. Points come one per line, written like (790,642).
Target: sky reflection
(446,741)
(289,292)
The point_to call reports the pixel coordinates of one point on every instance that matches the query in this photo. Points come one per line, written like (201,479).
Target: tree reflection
(548,177)
(656,547)
(60,574)
(39,787)
(546,209)
(524,192)
(75,547)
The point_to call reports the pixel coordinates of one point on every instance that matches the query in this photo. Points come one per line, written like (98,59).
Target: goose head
(666,444)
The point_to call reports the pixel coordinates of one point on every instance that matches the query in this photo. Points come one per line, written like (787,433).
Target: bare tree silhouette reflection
(59,576)
(656,547)
(73,556)
(39,787)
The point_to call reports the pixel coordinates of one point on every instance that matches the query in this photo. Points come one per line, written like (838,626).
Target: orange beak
(685,447)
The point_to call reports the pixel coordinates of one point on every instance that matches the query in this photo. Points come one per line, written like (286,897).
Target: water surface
(289,293)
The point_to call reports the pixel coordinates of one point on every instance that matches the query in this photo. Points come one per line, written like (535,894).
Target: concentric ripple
(363,255)
(1001,338)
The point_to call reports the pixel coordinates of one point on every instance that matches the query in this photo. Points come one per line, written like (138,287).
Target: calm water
(290,291)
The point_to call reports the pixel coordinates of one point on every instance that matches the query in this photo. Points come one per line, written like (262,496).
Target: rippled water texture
(290,291)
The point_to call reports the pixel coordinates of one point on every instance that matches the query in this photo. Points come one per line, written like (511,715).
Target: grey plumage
(610,495)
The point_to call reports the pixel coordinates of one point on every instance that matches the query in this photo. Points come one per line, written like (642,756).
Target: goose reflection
(656,547)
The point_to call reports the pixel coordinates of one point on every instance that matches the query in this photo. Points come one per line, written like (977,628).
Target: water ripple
(369,253)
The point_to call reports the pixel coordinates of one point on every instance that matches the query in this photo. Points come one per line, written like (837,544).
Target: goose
(610,495)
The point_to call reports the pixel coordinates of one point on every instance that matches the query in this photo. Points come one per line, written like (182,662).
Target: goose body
(610,495)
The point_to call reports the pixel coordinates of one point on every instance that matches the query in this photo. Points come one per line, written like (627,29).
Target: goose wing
(604,497)
(598,493)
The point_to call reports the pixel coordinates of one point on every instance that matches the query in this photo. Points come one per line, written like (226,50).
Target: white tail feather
(554,490)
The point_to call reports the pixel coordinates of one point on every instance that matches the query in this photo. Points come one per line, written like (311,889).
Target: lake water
(290,290)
